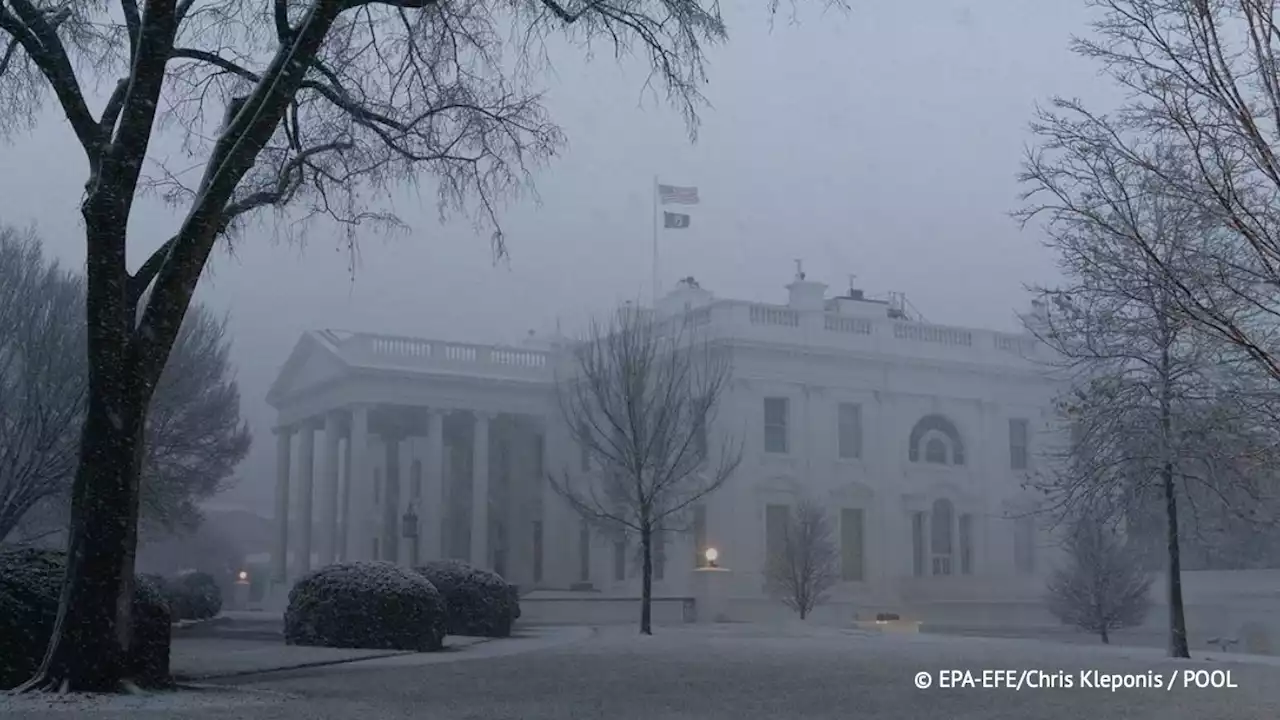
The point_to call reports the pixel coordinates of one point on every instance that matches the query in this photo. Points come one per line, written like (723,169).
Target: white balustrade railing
(726,319)
(400,350)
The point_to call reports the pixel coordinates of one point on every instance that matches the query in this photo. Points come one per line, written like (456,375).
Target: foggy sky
(882,142)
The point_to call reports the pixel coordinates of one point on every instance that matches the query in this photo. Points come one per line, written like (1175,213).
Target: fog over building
(917,437)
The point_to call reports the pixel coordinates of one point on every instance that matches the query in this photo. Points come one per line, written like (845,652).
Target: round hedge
(30,586)
(194,595)
(480,602)
(367,604)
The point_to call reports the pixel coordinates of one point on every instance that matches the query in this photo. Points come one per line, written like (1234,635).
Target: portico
(450,464)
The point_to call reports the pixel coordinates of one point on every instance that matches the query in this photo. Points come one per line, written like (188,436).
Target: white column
(432,507)
(392,495)
(359,535)
(329,490)
(279,559)
(306,485)
(406,499)
(559,522)
(480,491)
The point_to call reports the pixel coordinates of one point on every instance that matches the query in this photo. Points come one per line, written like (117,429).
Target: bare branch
(807,565)
(639,398)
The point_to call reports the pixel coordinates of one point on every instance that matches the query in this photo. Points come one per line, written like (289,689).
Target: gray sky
(883,143)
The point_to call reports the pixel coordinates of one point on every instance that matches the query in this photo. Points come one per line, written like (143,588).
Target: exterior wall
(893,397)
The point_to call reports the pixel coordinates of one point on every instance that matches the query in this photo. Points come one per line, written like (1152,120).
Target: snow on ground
(161,704)
(728,672)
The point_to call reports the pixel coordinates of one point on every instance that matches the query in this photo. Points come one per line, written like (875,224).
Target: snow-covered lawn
(730,672)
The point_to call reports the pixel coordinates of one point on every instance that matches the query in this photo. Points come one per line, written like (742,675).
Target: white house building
(917,437)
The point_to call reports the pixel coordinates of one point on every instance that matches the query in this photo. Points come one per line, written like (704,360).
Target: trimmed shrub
(365,604)
(193,595)
(152,632)
(30,585)
(480,603)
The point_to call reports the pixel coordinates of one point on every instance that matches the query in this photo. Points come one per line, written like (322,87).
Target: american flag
(676,195)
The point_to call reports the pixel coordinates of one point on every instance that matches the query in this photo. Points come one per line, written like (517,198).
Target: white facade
(911,434)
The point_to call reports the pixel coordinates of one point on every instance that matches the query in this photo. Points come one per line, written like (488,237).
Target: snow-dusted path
(735,673)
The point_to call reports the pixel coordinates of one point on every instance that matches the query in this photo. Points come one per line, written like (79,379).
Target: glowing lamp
(712,555)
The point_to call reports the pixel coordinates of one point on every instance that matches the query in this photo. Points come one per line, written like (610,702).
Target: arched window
(935,451)
(934,439)
(941,530)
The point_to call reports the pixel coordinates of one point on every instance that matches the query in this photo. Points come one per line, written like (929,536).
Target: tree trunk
(646,580)
(92,632)
(85,652)
(1177,617)
(1106,639)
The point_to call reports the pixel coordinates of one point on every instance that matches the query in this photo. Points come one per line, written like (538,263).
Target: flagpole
(654,288)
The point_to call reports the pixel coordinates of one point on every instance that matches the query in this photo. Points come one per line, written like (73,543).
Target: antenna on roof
(799,269)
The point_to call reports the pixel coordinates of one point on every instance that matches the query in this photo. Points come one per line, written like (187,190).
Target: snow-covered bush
(30,585)
(365,605)
(480,603)
(193,595)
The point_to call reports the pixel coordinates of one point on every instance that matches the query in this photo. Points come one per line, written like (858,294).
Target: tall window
(377,486)
(539,455)
(941,541)
(850,429)
(776,520)
(620,559)
(1019,454)
(584,552)
(537,551)
(1024,545)
(917,544)
(852,535)
(775,424)
(700,535)
(966,544)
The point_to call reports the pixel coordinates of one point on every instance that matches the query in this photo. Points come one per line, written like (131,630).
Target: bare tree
(807,565)
(1200,81)
(195,437)
(1155,402)
(1104,586)
(308,105)
(639,400)
(41,377)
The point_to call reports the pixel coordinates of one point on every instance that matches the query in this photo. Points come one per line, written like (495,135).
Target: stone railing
(391,350)
(776,323)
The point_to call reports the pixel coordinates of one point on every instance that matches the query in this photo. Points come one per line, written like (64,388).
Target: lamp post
(409,529)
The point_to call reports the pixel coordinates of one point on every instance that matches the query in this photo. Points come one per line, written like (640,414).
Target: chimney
(806,294)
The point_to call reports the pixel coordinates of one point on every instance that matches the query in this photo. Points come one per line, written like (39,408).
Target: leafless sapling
(806,565)
(1103,586)
(639,397)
